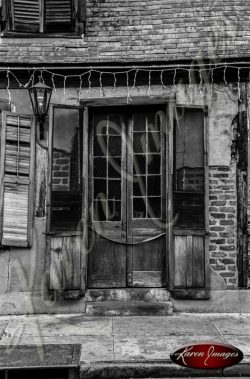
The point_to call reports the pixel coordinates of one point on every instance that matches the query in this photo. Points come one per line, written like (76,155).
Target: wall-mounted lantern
(40,95)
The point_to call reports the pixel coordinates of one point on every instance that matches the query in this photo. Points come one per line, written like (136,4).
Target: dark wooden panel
(26,15)
(147,278)
(198,262)
(65,263)
(180,261)
(148,256)
(107,263)
(189,261)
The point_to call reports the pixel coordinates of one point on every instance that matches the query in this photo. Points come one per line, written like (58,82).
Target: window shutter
(25,15)
(189,248)
(17,172)
(58,15)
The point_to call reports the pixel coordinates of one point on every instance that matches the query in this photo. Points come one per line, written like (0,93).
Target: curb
(155,369)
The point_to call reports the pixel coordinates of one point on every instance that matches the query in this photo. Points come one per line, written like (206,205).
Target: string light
(239,91)
(80,87)
(128,91)
(53,82)
(199,68)
(8,85)
(89,80)
(64,85)
(212,82)
(162,83)
(135,77)
(100,81)
(149,84)
(225,80)
(174,78)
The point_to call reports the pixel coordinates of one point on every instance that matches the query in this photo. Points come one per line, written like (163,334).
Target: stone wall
(223,223)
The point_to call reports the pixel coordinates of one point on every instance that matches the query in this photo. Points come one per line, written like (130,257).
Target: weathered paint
(23,270)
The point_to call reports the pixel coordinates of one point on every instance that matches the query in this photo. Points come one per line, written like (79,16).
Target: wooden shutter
(17,172)
(58,15)
(189,263)
(66,249)
(25,15)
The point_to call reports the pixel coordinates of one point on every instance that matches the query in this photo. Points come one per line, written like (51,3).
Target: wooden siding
(17,172)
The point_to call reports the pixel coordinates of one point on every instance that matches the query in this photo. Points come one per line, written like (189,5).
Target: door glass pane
(189,169)
(154,164)
(114,167)
(154,185)
(66,169)
(147,161)
(114,210)
(114,189)
(115,146)
(154,207)
(100,167)
(139,185)
(139,207)
(154,142)
(100,210)
(107,167)
(100,146)
(139,164)
(139,142)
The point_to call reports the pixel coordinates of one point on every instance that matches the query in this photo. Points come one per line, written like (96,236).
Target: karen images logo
(207,355)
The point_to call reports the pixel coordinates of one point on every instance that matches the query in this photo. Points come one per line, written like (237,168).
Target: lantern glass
(40,96)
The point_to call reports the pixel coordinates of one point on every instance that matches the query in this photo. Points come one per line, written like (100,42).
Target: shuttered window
(58,15)
(17,169)
(26,15)
(46,16)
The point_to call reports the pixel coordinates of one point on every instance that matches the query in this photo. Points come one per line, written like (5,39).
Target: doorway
(127,197)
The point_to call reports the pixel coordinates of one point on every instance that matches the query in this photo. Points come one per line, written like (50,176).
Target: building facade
(136,184)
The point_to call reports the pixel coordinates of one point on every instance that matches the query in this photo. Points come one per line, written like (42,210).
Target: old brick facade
(139,31)
(135,50)
(222,212)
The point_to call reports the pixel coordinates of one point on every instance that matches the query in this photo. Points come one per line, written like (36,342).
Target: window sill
(41,35)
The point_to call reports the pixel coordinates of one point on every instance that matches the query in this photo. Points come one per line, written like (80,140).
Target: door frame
(169,102)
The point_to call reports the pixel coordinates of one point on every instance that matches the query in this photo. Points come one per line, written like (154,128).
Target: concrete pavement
(127,347)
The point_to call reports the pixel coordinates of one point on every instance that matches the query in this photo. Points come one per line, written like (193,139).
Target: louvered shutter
(17,172)
(25,15)
(58,15)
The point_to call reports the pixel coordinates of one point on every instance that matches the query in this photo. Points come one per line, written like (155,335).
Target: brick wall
(61,172)
(143,30)
(223,223)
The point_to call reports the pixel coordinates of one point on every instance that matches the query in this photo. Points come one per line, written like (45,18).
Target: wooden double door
(127,198)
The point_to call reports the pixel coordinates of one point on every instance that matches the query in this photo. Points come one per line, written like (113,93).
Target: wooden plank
(188,232)
(85,196)
(147,279)
(191,293)
(189,262)
(180,262)
(70,261)
(198,262)
(107,266)
(137,100)
(17,194)
(170,243)
(56,269)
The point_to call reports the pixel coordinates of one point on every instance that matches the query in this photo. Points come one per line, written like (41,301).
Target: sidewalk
(127,347)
